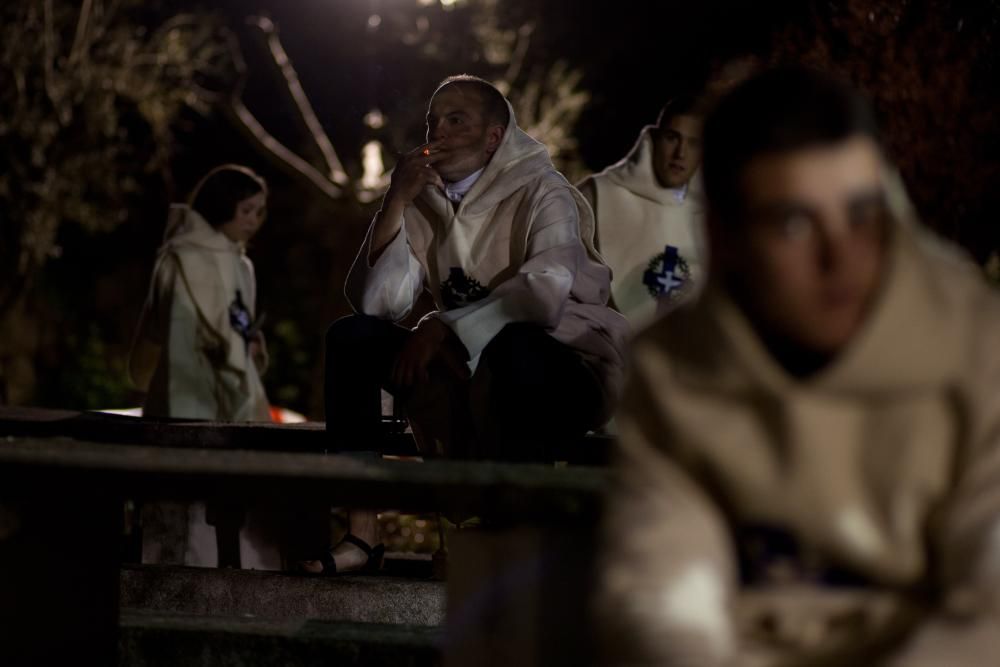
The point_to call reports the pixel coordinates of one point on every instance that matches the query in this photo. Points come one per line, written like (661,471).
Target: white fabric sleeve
(538,291)
(666,586)
(191,377)
(151,330)
(588,188)
(389,287)
(964,629)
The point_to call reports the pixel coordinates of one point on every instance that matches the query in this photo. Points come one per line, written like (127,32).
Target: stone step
(271,595)
(57,491)
(152,639)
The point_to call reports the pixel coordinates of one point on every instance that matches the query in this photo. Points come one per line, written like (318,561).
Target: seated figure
(522,355)
(649,215)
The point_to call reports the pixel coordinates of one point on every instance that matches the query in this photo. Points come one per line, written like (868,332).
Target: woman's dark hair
(220,190)
(777,111)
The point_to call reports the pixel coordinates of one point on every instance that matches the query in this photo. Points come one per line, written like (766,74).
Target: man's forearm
(386,277)
(387,225)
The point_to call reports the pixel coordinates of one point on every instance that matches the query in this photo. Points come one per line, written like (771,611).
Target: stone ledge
(269,595)
(305,437)
(67,467)
(110,428)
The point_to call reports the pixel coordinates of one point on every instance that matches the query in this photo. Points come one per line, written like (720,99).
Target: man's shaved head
(495,109)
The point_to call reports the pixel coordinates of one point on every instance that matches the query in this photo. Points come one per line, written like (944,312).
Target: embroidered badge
(461,290)
(239,317)
(667,275)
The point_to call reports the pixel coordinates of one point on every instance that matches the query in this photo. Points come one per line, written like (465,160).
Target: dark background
(930,67)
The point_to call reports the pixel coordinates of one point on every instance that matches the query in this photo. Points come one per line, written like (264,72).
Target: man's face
(677,150)
(806,263)
(455,121)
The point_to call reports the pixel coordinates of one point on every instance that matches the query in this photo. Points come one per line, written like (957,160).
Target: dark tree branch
(285,158)
(335,169)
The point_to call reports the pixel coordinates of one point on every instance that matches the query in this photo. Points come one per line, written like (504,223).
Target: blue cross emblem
(667,274)
(239,317)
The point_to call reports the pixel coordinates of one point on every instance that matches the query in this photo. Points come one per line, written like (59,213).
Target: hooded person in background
(809,455)
(522,355)
(198,354)
(649,214)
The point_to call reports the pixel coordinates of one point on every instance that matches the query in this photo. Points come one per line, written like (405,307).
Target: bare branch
(517,57)
(81,31)
(287,159)
(530,98)
(21,84)
(319,135)
(102,20)
(49,41)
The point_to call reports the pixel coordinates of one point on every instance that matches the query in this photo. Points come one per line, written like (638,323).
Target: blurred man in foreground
(810,454)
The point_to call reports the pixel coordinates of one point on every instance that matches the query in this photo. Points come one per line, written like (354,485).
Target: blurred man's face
(808,261)
(457,124)
(677,150)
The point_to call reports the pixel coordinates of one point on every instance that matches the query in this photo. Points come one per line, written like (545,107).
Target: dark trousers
(540,396)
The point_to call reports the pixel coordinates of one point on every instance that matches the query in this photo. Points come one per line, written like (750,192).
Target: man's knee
(517,348)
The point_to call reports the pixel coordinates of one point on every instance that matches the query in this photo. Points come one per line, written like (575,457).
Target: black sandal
(375,555)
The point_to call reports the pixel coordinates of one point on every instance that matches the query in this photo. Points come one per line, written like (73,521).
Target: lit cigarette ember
(427,151)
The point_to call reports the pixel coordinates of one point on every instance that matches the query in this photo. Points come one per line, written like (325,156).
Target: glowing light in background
(374,119)
(447,4)
(371,163)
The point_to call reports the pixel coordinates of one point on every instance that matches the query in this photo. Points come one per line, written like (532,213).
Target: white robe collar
(456,191)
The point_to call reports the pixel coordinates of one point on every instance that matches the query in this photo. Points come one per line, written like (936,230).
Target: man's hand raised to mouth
(412,174)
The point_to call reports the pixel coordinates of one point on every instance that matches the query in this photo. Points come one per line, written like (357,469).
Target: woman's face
(247,219)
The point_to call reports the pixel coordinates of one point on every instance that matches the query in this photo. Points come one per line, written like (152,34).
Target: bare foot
(362,525)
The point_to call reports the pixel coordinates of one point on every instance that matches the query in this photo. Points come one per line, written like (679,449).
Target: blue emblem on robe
(460,289)
(239,317)
(667,275)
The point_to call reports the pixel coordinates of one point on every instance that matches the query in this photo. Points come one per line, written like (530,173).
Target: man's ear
(494,135)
